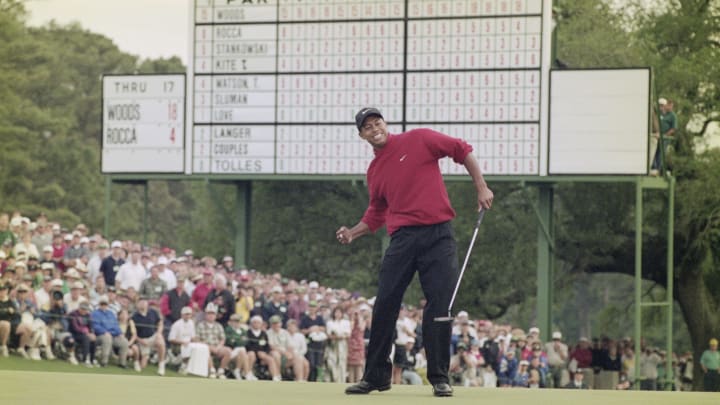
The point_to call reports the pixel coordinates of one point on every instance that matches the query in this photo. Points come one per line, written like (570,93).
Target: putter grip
(481,215)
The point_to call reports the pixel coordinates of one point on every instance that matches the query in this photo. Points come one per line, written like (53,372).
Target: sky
(148,28)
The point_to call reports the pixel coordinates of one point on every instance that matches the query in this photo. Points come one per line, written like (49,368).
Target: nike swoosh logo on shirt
(402,157)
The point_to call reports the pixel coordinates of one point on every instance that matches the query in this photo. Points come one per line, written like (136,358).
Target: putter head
(443,318)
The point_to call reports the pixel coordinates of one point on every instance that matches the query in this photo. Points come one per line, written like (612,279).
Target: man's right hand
(343,235)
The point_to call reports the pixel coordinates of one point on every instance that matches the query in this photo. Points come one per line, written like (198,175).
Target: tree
(680,42)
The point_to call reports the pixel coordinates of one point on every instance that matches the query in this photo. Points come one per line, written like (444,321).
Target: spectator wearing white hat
(557,354)
(109,335)
(313,294)
(405,360)
(282,350)
(212,334)
(75,297)
(111,264)
(461,317)
(276,305)
(194,354)
(258,348)
(581,358)
(533,334)
(74,250)
(228,264)
(522,376)
(166,273)
(46,255)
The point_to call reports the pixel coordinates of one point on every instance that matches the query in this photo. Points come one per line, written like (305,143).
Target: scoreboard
(274,84)
(143,124)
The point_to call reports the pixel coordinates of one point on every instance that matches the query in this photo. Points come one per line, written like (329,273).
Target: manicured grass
(18,363)
(23,382)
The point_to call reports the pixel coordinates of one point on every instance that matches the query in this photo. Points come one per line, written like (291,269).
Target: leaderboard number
(172,114)
(172,111)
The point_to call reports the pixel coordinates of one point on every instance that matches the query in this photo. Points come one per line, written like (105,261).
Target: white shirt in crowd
(340,328)
(168,276)
(648,365)
(182,330)
(405,327)
(93,267)
(71,304)
(298,343)
(42,299)
(131,275)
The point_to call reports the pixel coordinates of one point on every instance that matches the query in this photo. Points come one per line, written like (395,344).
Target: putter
(449,316)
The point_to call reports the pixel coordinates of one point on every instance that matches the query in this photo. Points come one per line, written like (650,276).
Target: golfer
(408,195)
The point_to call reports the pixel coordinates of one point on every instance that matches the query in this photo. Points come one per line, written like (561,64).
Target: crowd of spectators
(66,294)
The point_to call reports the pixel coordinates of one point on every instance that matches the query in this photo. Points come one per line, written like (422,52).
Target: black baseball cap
(364,113)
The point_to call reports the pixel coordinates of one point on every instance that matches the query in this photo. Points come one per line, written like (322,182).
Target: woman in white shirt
(338,330)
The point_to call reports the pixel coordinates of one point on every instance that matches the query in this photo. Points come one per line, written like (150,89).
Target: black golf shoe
(442,390)
(364,387)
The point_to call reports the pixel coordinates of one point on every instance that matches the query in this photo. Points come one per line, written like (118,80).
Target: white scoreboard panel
(276,83)
(143,125)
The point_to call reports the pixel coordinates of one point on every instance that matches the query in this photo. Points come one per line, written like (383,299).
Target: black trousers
(85,347)
(432,252)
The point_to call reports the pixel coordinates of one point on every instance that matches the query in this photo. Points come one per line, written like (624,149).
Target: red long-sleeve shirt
(405,183)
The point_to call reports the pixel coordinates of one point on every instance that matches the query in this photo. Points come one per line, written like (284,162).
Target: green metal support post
(108,186)
(545,261)
(638,278)
(670,283)
(243,200)
(145,213)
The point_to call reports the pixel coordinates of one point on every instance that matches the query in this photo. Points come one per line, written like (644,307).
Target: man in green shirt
(236,339)
(710,363)
(6,235)
(668,126)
